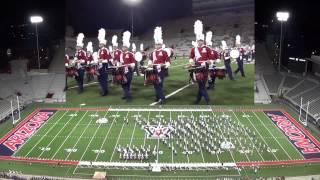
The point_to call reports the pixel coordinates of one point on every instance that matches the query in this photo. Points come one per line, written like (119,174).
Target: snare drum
(119,76)
(150,76)
(198,74)
(220,72)
(71,71)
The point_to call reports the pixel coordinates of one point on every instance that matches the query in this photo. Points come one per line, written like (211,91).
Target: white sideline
(160,110)
(171,94)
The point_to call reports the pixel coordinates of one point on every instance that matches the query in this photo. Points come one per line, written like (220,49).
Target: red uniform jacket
(159,57)
(81,54)
(214,54)
(116,55)
(127,58)
(104,55)
(89,58)
(205,54)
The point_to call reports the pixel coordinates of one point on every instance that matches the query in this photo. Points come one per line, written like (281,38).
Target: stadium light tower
(282,17)
(132,3)
(36,20)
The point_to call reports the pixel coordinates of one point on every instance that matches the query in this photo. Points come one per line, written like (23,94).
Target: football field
(171,137)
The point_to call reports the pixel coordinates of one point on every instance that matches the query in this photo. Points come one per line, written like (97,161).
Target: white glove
(118,63)
(167,64)
(111,60)
(191,61)
(132,65)
(203,64)
(66,64)
(88,62)
(149,62)
(211,61)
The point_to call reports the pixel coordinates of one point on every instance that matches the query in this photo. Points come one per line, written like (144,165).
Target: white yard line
(283,136)
(41,137)
(145,136)
(115,146)
(79,138)
(273,136)
(105,138)
(58,133)
(134,128)
(262,137)
(171,94)
(65,140)
(200,145)
(85,151)
(248,135)
(229,151)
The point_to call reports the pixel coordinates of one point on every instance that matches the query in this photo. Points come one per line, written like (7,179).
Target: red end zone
(70,162)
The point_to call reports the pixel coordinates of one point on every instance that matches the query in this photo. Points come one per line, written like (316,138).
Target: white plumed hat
(134,47)
(141,47)
(80,38)
(89,47)
(209,38)
(158,35)
(101,36)
(114,40)
(126,39)
(238,38)
(224,45)
(198,30)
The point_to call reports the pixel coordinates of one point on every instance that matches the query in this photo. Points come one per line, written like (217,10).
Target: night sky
(302,28)
(89,15)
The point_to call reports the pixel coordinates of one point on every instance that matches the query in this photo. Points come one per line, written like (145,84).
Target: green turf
(226,92)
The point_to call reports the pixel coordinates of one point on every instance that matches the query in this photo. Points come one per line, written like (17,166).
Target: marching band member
(80,60)
(200,55)
(116,51)
(227,60)
(240,58)
(134,50)
(128,62)
(103,58)
(214,56)
(66,63)
(89,59)
(159,59)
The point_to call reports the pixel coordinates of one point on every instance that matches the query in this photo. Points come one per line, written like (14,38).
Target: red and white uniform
(116,55)
(104,55)
(214,55)
(81,57)
(127,58)
(159,56)
(89,58)
(203,55)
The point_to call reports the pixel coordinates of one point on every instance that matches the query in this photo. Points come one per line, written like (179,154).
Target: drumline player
(127,62)
(159,60)
(200,55)
(225,54)
(103,58)
(80,60)
(89,59)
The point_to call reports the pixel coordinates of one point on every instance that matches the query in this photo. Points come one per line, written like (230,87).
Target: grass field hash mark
(115,146)
(248,135)
(79,138)
(87,147)
(105,138)
(57,134)
(65,140)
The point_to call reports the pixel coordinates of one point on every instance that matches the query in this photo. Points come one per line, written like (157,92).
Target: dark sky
(89,15)
(303,24)
(16,12)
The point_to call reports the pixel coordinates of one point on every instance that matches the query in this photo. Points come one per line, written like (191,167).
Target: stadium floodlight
(132,3)
(282,17)
(36,20)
